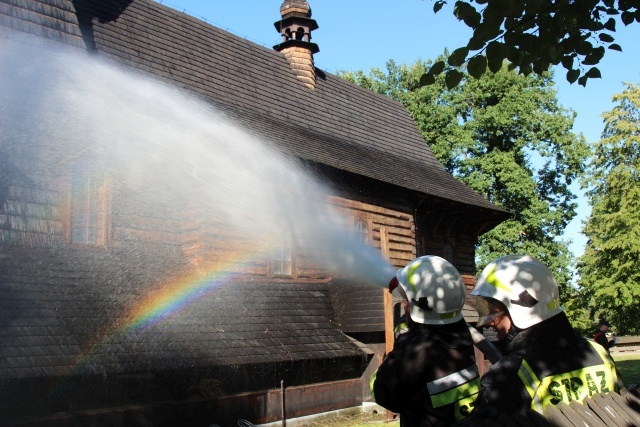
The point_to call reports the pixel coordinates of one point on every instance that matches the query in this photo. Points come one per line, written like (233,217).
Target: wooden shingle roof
(76,319)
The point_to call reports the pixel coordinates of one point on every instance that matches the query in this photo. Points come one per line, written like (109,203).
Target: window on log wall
(361,229)
(89,207)
(282,257)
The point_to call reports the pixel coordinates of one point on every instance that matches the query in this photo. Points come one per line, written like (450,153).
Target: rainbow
(171,298)
(166,301)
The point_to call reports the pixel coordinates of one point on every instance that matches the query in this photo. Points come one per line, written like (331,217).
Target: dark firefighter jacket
(544,365)
(430,377)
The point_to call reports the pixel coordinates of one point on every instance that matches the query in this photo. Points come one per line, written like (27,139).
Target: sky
(364,34)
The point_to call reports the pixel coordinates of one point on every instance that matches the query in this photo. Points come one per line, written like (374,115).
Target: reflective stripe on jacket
(459,389)
(575,385)
(539,365)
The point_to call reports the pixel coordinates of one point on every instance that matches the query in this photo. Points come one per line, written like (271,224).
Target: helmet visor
(487,315)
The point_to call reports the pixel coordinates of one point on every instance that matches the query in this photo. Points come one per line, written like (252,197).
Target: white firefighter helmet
(434,289)
(524,285)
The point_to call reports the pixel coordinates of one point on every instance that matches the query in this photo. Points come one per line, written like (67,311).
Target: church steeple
(295,27)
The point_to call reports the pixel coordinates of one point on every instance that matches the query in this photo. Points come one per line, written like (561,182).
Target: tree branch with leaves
(533,35)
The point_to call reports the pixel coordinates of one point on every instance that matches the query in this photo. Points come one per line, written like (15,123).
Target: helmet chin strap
(511,334)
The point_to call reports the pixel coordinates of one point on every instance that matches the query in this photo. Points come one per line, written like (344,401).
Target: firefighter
(544,361)
(430,377)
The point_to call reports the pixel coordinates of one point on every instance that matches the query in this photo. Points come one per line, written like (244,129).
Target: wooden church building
(285,338)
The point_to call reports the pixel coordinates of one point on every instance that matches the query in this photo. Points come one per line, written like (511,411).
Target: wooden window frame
(96,209)
(367,239)
(277,260)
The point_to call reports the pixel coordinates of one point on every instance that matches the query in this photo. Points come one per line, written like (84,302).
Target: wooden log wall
(459,249)
(399,227)
(37,213)
(207,240)
(359,310)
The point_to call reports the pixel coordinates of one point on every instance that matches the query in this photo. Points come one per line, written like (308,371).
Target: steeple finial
(295,27)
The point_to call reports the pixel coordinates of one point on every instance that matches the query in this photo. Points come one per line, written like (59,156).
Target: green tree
(535,34)
(609,272)
(506,137)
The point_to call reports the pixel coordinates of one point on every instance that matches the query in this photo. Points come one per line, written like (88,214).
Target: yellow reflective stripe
(494,281)
(400,329)
(569,386)
(372,380)
(412,269)
(454,394)
(464,406)
(553,304)
(576,385)
(449,315)
(531,383)
(401,326)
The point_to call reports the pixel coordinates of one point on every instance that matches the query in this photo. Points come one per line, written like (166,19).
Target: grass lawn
(629,368)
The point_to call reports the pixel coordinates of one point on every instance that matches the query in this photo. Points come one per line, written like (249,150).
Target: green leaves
(593,73)
(534,35)
(427,79)
(476,68)
(605,38)
(452,75)
(467,13)
(610,24)
(627,17)
(452,78)
(458,57)
(437,68)
(496,54)
(572,75)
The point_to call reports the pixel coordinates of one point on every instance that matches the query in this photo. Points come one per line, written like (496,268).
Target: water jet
(152,253)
